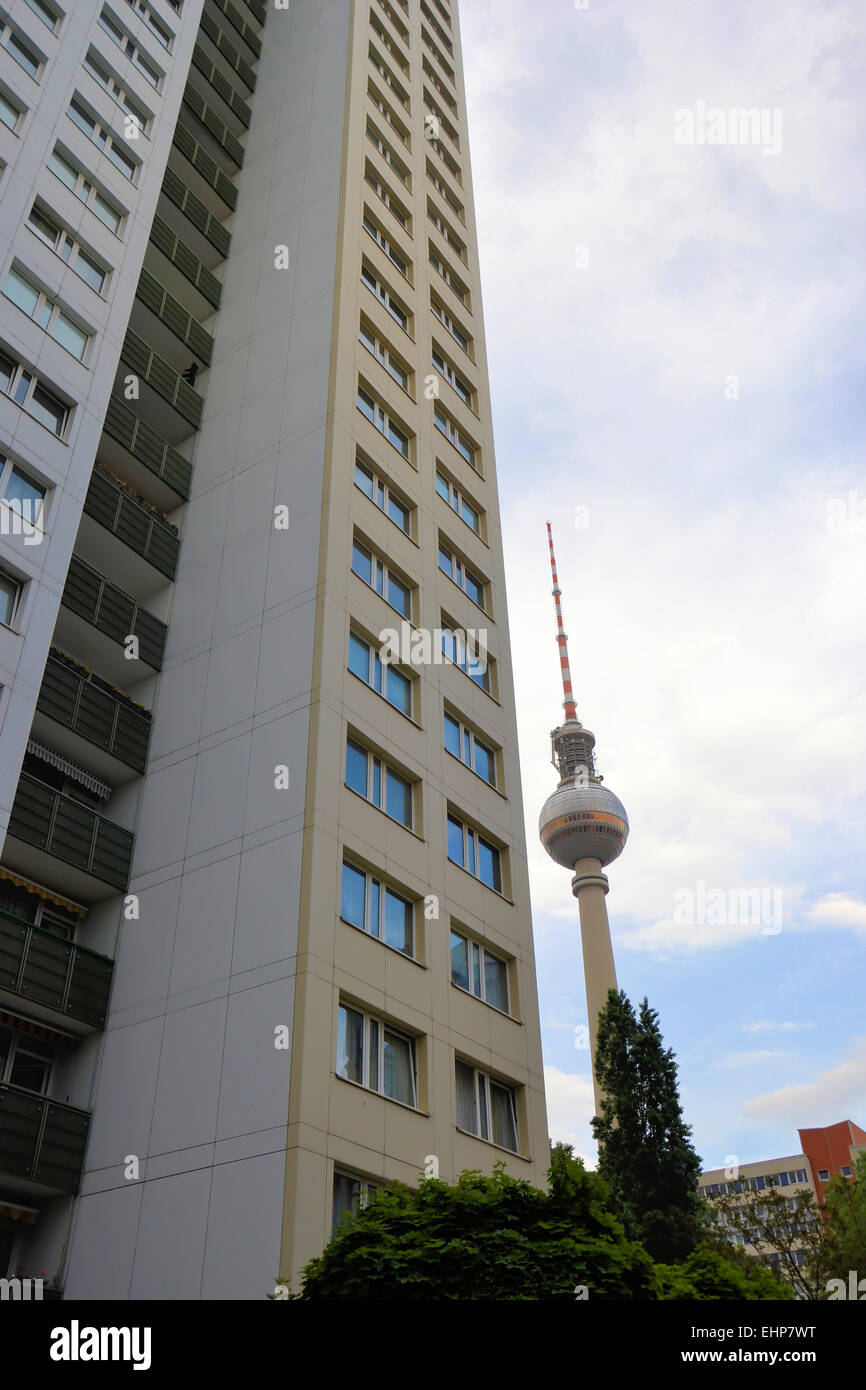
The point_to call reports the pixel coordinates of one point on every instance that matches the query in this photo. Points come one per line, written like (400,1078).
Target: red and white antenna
(562,641)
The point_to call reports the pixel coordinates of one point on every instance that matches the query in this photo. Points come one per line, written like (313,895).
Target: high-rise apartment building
(265,937)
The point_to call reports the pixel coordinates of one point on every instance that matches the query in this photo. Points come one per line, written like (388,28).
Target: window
(426,39)
(25,1060)
(470,655)
(445,425)
(163,34)
(124,40)
(458,333)
(463,744)
(390,158)
(384,353)
(378,575)
(823,1175)
(375,908)
(373,1054)
(351,1194)
(46,13)
(382,494)
(366,663)
(440,121)
(458,501)
(454,283)
(383,421)
(21,495)
(47,313)
(27,57)
(388,198)
(473,853)
(447,369)
(10,114)
(846,1170)
(104,76)
(378,28)
(479,971)
(395,307)
(378,783)
(112,145)
(445,192)
(10,592)
(63,244)
(70,174)
(387,112)
(445,230)
(384,241)
(437,28)
(387,75)
(27,391)
(397,23)
(446,96)
(485,1107)
(453,566)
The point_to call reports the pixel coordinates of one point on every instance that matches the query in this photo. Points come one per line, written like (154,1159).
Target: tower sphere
(583,820)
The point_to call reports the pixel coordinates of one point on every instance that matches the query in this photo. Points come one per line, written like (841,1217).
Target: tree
(709,1275)
(485,1237)
(784,1229)
(845,1225)
(645,1154)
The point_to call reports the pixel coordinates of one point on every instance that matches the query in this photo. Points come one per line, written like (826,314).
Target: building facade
(265,937)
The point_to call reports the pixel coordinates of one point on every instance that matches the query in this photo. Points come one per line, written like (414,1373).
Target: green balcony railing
(40,1139)
(257,8)
(175,317)
(237,21)
(189,265)
(148,447)
(64,827)
(207,167)
(220,41)
(67,696)
(195,102)
(44,969)
(221,85)
(132,522)
(195,211)
(164,379)
(92,597)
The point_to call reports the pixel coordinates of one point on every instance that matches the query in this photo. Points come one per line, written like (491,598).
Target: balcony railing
(225,46)
(221,85)
(164,379)
(207,167)
(237,21)
(112,611)
(175,317)
(195,211)
(148,447)
(119,512)
(61,826)
(72,700)
(45,969)
(40,1139)
(190,267)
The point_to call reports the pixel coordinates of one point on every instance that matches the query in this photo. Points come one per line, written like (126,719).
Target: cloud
(570,1107)
(766,1026)
(840,910)
(834,1095)
(749,1059)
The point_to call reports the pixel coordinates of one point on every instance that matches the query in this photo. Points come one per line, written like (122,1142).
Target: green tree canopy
(645,1154)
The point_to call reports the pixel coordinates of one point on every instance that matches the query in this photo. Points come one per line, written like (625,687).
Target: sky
(674,334)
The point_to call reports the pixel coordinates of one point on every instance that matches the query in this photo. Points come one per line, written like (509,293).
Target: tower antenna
(562,640)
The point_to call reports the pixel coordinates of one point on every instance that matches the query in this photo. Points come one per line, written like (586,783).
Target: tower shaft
(590,886)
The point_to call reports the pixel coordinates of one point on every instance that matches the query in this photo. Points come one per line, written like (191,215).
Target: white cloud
(835,1095)
(756,1058)
(766,1026)
(840,910)
(570,1107)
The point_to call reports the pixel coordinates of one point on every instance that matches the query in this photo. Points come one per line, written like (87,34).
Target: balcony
(201,172)
(106,722)
(114,615)
(223,146)
(144,540)
(234,103)
(53,975)
(130,447)
(193,221)
(229,56)
(166,389)
(46,826)
(182,272)
(41,1141)
(167,327)
(240,26)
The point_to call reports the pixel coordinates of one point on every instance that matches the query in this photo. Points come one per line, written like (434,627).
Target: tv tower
(583,827)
